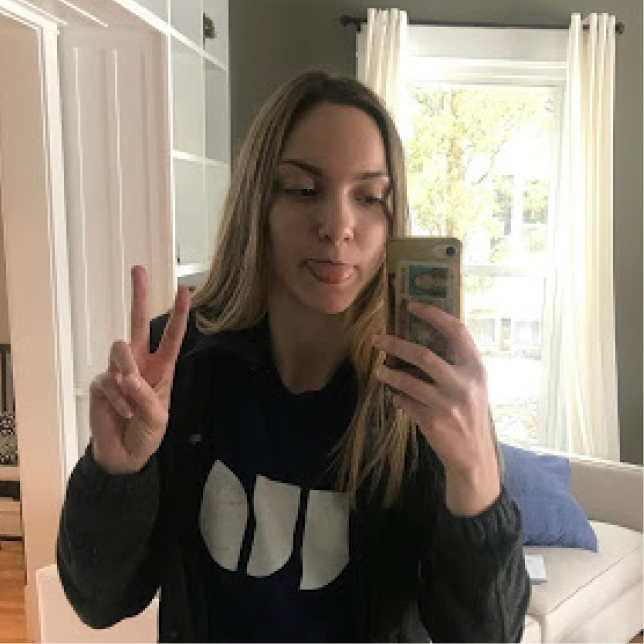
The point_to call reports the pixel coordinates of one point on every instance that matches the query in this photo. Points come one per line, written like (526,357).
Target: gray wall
(272,40)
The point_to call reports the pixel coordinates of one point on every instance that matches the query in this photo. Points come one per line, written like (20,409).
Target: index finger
(139,315)
(454,331)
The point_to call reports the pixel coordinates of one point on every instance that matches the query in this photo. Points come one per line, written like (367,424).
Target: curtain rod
(358,22)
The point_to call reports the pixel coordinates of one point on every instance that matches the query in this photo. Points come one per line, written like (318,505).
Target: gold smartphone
(425,269)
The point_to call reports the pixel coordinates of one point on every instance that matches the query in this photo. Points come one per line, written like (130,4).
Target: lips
(330,273)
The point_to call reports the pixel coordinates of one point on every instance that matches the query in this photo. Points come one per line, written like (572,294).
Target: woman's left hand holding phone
(453,412)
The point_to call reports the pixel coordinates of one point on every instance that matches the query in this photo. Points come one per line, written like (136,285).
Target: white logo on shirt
(224,516)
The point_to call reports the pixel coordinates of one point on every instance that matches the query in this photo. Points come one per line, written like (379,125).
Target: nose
(337,219)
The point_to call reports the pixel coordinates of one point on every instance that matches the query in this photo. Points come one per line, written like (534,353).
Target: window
(480,119)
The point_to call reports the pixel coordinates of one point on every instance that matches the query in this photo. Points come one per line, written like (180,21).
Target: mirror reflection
(320,284)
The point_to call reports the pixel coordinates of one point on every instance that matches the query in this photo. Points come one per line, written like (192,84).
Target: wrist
(109,468)
(467,495)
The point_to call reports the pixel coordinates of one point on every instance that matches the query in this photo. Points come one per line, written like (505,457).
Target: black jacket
(423,572)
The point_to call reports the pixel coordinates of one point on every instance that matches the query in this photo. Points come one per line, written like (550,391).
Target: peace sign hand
(129,402)
(453,412)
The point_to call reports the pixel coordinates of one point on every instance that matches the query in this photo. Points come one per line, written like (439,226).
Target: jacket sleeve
(473,584)
(108,549)
(106,552)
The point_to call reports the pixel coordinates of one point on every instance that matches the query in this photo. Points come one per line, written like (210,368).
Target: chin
(329,304)
(332,308)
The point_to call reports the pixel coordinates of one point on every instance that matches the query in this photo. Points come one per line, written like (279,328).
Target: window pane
(504,316)
(479,168)
(533,239)
(535,202)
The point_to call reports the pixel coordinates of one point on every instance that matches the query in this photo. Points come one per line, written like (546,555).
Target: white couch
(589,597)
(595,597)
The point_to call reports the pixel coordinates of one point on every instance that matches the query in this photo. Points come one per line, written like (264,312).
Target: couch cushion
(580,582)
(540,486)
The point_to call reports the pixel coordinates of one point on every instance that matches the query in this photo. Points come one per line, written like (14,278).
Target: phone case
(426,269)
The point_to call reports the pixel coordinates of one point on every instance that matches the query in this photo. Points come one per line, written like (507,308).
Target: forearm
(474,586)
(468,493)
(104,551)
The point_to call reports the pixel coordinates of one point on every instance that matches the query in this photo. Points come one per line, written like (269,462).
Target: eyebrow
(314,170)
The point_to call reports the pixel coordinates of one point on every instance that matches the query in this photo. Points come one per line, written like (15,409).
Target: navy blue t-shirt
(273,532)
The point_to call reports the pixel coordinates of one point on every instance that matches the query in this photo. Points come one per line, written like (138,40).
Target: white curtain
(385,43)
(581,413)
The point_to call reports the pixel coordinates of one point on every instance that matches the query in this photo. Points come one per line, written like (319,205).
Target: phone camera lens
(451,251)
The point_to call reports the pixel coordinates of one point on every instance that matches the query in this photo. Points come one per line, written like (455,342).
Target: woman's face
(328,222)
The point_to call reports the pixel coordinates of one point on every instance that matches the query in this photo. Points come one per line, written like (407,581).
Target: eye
(372,200)
(305,193)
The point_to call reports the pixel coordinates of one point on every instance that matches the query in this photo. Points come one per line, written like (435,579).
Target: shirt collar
(251,345)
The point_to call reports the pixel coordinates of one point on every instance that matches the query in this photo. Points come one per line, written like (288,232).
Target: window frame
(501,58)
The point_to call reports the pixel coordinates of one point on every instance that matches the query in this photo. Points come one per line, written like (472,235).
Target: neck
(308,347)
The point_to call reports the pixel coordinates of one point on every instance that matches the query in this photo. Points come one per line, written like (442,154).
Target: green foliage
(535,202)
(457,136)
(475,285)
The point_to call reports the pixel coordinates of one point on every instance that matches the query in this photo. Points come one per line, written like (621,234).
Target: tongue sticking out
(330,273)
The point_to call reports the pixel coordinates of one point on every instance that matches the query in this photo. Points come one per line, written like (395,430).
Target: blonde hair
(379,439)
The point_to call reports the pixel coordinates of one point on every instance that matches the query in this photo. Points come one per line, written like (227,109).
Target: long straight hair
(379,439)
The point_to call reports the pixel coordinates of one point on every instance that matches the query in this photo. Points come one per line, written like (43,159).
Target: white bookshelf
(188,109)
(217,112)
(218,47)
(146,119)
(190,212)
(199,82)
(186,17)
(122,154)
(158,7)
(217,181)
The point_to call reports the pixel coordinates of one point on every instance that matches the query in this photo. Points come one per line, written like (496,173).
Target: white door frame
(32,205)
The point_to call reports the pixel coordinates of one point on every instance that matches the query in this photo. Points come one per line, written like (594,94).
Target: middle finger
(413,387)
(417,355)
(175,329)
(139,316)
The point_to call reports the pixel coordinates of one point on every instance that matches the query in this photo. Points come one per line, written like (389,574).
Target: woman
(253,463)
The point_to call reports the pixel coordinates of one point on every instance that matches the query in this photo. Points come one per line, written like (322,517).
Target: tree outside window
(478,159)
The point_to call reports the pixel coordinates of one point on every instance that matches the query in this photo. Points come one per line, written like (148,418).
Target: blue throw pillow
(540,486)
